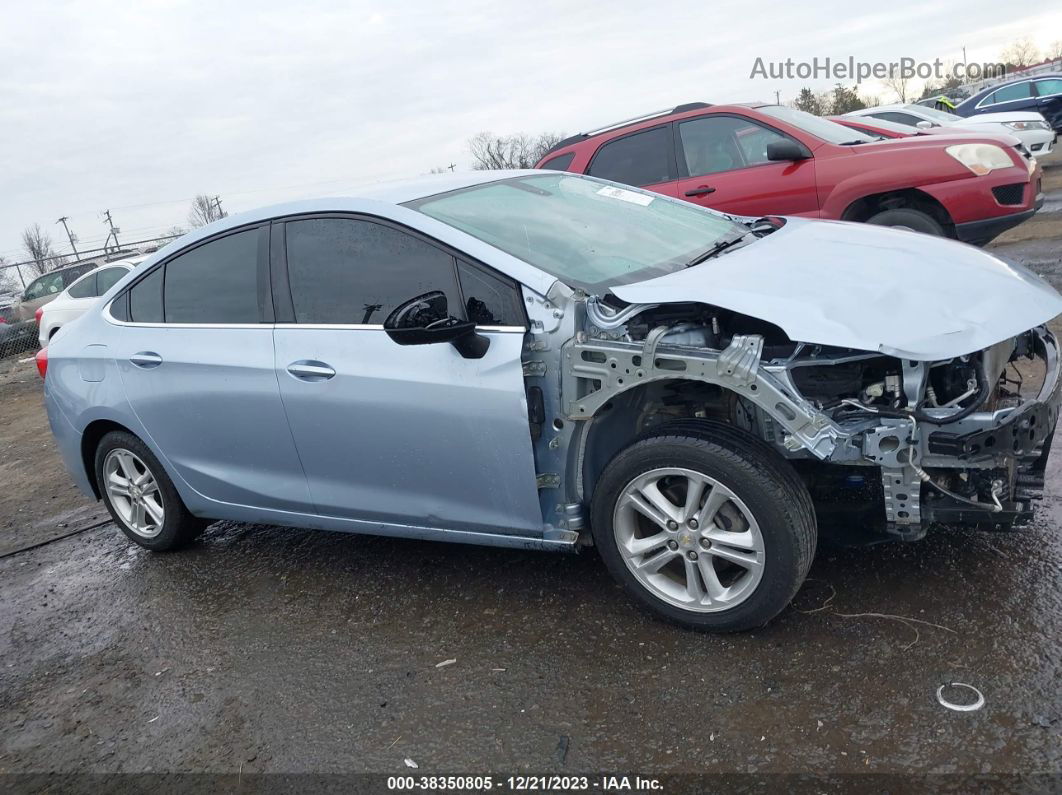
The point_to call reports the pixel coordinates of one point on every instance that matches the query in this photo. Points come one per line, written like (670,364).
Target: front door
(390,434)
(723,159)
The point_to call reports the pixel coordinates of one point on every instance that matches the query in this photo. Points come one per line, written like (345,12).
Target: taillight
(37,315)
(42,360)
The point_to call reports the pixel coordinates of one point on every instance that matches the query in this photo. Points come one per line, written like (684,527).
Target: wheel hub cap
(689,539)
(133,492)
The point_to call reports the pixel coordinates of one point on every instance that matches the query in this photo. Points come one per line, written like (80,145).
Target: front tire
(705,527)
(140,496)
(906,218)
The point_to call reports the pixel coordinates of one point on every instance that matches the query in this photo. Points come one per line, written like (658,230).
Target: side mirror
(425,320)
(787,150)
(925,125)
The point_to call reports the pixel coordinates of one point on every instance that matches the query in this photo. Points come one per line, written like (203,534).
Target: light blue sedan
(545,360)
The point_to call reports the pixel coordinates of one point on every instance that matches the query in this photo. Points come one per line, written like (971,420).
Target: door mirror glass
(419,312)
(786,150)
(425,320)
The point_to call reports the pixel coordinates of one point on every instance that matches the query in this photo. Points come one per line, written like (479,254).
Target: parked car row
(54,299)
(1029,127)
(761,159)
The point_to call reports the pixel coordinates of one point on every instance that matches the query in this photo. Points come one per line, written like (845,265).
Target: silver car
(543,360)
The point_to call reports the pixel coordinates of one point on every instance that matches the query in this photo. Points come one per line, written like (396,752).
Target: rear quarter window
(643,158)
(559,163)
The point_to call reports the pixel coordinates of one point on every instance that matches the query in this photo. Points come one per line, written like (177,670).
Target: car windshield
(932,113)
(588,233)
(827,130)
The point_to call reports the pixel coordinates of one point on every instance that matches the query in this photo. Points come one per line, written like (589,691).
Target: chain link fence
(26,286)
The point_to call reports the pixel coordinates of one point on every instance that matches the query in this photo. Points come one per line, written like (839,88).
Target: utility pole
(452,166)
(113,233)
(69,236)
(217,203)
(777,99)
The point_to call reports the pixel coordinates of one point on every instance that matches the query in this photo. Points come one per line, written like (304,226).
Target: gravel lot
(266,649)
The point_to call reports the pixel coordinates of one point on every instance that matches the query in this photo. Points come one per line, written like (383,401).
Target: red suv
(756,160)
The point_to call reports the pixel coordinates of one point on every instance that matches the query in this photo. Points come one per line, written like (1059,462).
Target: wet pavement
(289,650)
(270,649)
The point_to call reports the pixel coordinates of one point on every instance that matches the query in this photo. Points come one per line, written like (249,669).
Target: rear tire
(140,496)
(731,570)
(906,218)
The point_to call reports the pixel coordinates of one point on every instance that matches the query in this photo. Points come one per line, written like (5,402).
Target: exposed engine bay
(958,441)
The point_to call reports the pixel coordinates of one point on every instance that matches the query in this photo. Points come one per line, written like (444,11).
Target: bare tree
(491,151)
(1054,52)
(898,84)
(38,247)
(1021,53)
(205,210)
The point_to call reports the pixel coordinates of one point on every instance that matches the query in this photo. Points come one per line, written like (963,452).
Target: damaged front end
(898,442)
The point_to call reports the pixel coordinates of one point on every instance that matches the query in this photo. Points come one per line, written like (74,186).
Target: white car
(79,297)
(1028,126)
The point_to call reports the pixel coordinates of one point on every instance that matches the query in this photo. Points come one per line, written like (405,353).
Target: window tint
(348,271)
(86,288)
(490,300)
(1009,93)
(145,299)
(106,279)
(722,143)
(559,163)
(639,159)
(216,282)
(1050,86)
(71,275)
(899,118)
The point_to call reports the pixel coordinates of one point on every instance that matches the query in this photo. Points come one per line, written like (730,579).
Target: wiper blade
(718,248)
(851,143)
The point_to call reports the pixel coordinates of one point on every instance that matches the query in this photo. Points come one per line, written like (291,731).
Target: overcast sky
(136,107)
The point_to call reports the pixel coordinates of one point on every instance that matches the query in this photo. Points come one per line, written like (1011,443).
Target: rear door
(644,159)
(722,160)
(195,352)
(401,434)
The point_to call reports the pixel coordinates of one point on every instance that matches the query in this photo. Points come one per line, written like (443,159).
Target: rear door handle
(310,370)
(146,359)
(703,190)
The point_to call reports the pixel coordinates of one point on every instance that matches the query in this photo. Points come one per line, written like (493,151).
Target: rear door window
(216,282)
(643,158)
(560,162)
(1010,93)
(107,278)
(350,271)
(86,288)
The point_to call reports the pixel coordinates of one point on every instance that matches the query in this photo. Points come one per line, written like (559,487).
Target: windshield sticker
(625,195)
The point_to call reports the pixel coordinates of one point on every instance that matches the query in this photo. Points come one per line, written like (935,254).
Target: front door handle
(310,370)
(703,190)
(146,359)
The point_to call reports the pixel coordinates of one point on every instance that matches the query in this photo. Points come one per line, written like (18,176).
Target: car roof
(385,199)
